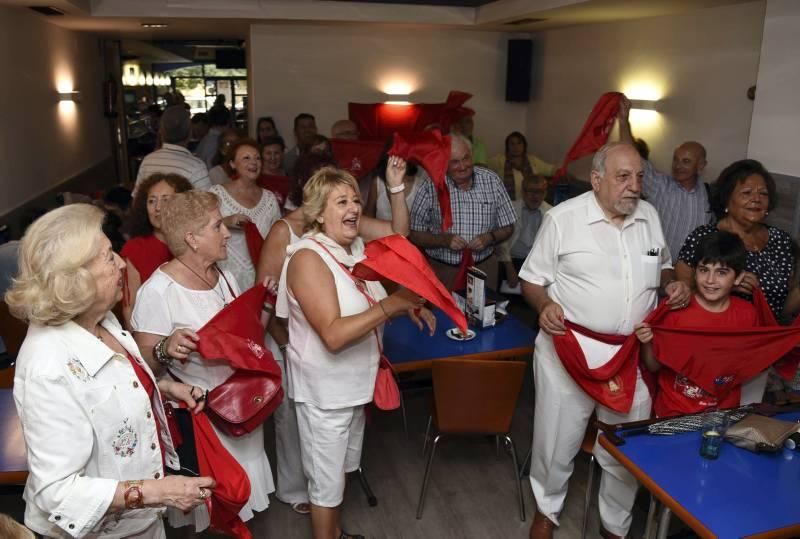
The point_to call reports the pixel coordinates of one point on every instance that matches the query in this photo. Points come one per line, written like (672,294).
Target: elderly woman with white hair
(95,429)
(181,297)
(335,322)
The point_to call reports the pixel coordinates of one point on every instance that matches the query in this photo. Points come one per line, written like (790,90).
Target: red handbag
(249,396)
(244,401)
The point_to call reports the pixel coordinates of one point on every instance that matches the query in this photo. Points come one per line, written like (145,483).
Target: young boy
(721,261)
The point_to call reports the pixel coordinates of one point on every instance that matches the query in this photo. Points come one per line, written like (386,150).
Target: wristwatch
(134,499)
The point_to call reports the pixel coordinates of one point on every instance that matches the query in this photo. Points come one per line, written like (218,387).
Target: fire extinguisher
(110,98)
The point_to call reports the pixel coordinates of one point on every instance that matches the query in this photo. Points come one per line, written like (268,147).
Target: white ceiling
(206,19)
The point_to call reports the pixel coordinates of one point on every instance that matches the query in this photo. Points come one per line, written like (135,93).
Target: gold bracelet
(380,303)
(134,499)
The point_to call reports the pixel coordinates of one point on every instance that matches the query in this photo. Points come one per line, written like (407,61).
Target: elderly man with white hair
(595,269)
(483,217)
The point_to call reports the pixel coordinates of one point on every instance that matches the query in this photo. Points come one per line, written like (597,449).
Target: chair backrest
(13,331)
(476,397)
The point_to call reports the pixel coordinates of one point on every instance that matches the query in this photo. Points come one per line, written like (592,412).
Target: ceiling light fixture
(154,25)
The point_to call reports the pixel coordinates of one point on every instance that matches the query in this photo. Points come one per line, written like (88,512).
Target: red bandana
(430,149)
(460,280)
(358,157)
(715,359)
(595,131)
(396,259)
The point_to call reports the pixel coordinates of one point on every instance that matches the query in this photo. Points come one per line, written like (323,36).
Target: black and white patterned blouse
(772,265)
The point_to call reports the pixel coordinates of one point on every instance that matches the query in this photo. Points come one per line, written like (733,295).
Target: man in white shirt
(597,262)
(173,157)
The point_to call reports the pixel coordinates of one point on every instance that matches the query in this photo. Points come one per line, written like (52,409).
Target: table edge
(425,364)
(680,511)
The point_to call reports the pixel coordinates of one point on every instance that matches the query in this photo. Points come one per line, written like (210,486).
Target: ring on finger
(204,493)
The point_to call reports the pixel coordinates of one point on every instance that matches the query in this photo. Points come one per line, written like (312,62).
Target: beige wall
(776,119)
(700,64)
(44,142)
(298,68)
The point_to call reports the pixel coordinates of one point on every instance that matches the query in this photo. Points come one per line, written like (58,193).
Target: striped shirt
(482,208)
(173,159)
(681,211)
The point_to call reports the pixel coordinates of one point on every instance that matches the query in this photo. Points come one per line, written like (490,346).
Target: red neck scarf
(718,360)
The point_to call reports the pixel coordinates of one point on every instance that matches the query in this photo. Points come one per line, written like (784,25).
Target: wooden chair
(13,331)
(474,397)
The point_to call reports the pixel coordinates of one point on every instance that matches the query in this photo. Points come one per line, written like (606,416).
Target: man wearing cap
(173,157)
(482,217)
(594,272)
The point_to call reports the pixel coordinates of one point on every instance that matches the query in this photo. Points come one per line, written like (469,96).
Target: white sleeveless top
(329,381)
(264,214)
(383,208)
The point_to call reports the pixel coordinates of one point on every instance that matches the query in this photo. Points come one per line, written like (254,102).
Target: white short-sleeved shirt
(602,276)
(319,377)
(264,215)
(162,306)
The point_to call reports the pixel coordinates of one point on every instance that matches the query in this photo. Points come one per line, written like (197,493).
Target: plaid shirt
(484,207)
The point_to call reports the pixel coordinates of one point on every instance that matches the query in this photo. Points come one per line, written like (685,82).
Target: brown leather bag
(759,433)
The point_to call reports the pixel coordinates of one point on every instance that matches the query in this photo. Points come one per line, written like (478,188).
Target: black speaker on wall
(519,69)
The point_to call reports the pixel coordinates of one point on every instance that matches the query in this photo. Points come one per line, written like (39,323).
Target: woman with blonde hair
(95,429)
(178,299)
(335,325)
(292,484)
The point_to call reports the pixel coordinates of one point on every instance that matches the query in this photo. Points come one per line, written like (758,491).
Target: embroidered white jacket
(88,424)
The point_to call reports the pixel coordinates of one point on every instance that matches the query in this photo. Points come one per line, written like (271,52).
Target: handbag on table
(759,433)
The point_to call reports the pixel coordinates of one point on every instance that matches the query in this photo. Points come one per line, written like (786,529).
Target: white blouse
(264,215)
(88,424)
(163,305)
(319,377)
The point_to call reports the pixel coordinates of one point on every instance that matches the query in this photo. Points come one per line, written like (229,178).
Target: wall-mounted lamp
(397,98)
(69,96)
(645,104)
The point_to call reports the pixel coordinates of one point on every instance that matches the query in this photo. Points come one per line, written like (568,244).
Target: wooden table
(410,349)
(13,458)
(741,494)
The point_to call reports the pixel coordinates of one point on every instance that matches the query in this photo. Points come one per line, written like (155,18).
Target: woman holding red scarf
(178,299)
(335,323)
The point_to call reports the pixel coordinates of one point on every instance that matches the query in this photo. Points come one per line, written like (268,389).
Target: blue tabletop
(404,343)
(740,494)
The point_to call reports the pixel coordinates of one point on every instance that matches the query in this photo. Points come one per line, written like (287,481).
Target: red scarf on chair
(715,359)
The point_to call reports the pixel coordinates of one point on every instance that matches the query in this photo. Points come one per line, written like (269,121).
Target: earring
(726,210)
(194,248)
(320,220)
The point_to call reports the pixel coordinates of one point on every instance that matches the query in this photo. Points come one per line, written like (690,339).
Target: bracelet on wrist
(397,188)
(160,353)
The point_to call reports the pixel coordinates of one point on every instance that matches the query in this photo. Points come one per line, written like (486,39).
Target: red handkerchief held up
(430,149)
(254,241)
(595,131)
(396,259)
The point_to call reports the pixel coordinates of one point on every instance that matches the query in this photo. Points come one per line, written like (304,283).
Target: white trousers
(292,482)
(560,419)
